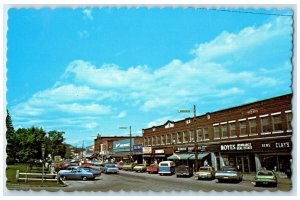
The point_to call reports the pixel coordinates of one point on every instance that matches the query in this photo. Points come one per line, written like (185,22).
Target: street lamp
(126,127)
(195,136)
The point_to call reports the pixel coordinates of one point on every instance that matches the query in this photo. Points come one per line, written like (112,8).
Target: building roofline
(234,107)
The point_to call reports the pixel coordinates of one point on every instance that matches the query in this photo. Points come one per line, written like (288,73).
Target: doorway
(244,163)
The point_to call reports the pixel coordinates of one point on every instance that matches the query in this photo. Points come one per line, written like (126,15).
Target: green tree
(11,140)
(54,143)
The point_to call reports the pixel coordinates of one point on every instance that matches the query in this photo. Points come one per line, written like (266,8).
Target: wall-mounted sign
(158,151)
(238,147)
(147,150)
(122,145)
(252,111)
(138,148)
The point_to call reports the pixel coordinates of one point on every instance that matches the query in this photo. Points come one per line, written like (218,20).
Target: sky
(89,71)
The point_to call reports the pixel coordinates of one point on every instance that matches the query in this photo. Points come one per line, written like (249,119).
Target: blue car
(76,174)
(93,171)
(110,168)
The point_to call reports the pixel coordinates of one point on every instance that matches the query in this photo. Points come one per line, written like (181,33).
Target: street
(132,181)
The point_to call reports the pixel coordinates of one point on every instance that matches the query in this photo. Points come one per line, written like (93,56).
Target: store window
(168,138)
(224,131)
(199,134)
(265,126)
(277,123)
(185,137)
(289,120)
(179,137)
(216,132)
(162,139)
(253,126)
(232,129)
(157,140)
(206,134)
(243,128)
(192,136)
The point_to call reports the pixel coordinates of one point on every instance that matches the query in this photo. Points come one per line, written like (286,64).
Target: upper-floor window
(232,129)
(192,136)
(153,141)
(265,126)
(157,140)
(179,137)
(224,131)
(162,140)
(216,132)
(145,141)
(174,138)
(199,134)
(277,122)
(206,134)
(289,119)
(185,136)
(168,139)
(243,128)
(252,126)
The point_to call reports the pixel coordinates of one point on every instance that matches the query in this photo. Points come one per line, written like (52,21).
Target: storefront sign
(147,150)
(158,151)
(138,148)
(277,145)
(122,145)
(238,147)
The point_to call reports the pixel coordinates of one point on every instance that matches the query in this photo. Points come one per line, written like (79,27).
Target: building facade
(249,136)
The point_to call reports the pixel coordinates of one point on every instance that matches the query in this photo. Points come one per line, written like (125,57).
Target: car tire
(275,185)
(84,178)
(220,180)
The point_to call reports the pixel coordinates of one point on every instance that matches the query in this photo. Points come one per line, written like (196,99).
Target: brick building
(250,136)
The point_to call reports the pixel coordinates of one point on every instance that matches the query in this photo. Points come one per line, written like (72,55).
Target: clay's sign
(277,145)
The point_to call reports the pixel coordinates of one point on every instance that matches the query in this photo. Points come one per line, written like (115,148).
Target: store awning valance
(187,156)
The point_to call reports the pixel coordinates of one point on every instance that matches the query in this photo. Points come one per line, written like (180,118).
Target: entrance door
(244,163)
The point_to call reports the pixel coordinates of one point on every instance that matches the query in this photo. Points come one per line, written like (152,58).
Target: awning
(187,156)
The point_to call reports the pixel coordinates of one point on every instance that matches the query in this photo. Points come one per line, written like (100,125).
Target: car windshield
(110,165)
(267,173)
(164,164)
(228,169)
(204,168)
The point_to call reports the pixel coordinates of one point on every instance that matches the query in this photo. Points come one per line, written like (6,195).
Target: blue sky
(91,70)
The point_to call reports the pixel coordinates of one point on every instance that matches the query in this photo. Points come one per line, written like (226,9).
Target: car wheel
(220,180)
(275,185)
(84,178)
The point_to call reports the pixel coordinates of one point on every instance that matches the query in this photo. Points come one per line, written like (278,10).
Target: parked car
(128,166)
(68,168)
(89,169)
(153,168)
(229,173)
(77,174)
(184,170)
(205,172)
(110,168)
(265,177)
(166,167)
(140,168)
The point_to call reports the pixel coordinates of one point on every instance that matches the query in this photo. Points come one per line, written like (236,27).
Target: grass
(11,176)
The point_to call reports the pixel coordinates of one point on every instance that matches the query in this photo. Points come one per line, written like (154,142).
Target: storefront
(147,155)
(250,156)
(138,153)
(121,150)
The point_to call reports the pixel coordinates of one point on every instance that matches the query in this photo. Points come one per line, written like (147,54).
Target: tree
(11,140)
(54,143)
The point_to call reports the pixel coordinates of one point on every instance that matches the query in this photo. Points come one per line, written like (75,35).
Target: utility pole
(195,140)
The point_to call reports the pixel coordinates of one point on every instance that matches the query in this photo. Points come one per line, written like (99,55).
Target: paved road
(128,181)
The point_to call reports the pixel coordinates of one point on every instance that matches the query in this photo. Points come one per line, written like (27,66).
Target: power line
(246,12)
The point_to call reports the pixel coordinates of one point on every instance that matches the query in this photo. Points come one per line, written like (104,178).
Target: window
(153,140)
(265,128)
(162,139)
(289,120)
(179,137)
(174,141)
(157,140)
(252,127)
(192,136)
(145,142)
(243,128)
(277,123)
(224,131)
(149,141)
(168,139)
(216,132)
(185,136)
(206,134)
(199,134)
(232,129)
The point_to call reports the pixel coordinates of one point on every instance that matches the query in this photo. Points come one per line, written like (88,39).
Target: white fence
(36,177)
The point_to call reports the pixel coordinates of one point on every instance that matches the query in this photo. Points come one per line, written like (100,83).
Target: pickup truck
(153,168)
(229,173)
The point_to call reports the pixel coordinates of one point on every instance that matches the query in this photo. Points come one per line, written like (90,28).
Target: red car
(120,165)
(153,168)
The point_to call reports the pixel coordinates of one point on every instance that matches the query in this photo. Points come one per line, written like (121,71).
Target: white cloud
(158,121)
(122,114)
(91,109)
(83,34)
(88,14)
